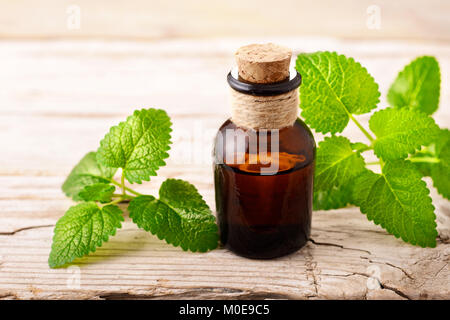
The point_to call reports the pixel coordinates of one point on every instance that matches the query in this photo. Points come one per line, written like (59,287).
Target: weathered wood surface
(155,19)
(57,100)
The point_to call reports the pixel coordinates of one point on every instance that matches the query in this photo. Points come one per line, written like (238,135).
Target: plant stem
(425,160)
(366,133)
(119,200)
(381,165)
(126,188)
(122,183)
(126,196)
(416,160)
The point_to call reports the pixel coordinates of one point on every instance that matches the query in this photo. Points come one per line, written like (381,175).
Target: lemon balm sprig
(404,137)
(137,147)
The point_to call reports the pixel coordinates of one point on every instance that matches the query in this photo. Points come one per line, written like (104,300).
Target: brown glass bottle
(265,216)
(264,158)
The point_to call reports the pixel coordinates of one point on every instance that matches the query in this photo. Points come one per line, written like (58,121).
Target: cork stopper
(263,63)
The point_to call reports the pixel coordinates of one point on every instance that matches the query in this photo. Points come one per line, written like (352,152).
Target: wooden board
(57,100)
(144,20)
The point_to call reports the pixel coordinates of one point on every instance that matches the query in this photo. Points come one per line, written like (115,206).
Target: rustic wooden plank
(144,20)
(346,249)
(57,100)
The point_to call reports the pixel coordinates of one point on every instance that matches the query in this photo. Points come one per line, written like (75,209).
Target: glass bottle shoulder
(292,146)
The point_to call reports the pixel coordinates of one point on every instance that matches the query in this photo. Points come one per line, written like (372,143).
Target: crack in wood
(382,285)
(443,240)
(200,292)
(346,275)
(395,290)
(400,268)
(439,271)
(11,233)
(311,266)
(337,245)
(352,231)
(390,265)
(8,295)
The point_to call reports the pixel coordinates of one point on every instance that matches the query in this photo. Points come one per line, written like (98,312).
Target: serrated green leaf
(441,142)
(440,172)
(87,172)
(138,146)
(401,132)
(399,201)
(101,192)
(334,87)
(419,159)
(180,216)
(417,86)
(423,167)
(81,230)
(333,198)
(336,163)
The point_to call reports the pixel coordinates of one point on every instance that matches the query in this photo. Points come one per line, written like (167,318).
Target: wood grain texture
(154,20)
(57,100)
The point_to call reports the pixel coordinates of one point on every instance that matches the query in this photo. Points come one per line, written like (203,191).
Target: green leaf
(85,173)
(97,192)
(399,201)
(441,142)
(138,146)
(81,230)
(333,88)
(359,146)
(417,86)
(423,167)
(180,216)
(336,163)
(333,198)
(401,132)
(419,159)
(440,172)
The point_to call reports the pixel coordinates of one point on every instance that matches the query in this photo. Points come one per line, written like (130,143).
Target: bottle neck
(264,106)
(264,112)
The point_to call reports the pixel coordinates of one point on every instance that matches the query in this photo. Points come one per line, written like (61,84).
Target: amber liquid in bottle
(265,216)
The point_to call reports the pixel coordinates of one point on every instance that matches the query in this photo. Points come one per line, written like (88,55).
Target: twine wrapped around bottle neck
(264,65)
(264,112)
